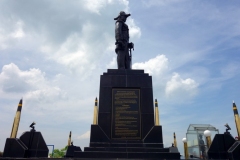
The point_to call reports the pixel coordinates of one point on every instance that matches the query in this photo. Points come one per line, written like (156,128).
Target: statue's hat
(122,13)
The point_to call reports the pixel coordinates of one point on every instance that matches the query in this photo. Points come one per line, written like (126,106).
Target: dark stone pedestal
(70,151)
(234,151)
(35,143)
(126,120)
(30,144)
(14,147)
(220,145)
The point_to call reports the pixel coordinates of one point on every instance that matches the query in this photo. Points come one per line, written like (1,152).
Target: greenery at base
(59,153)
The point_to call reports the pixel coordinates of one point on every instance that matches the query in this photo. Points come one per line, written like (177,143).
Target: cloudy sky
(52,54)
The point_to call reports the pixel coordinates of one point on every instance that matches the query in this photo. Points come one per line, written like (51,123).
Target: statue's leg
(127,59)
(121,59)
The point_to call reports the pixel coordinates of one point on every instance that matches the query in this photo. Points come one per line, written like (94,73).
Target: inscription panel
(126,117)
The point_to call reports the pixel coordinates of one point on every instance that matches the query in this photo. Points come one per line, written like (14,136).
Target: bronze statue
(202,147)
(123,47)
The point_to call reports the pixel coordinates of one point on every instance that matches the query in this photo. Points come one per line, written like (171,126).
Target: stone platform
(126,127)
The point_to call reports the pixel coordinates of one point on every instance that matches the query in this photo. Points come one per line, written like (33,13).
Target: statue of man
(202,147)
(122,42)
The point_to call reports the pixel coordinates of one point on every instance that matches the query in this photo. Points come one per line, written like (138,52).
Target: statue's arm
(118,31)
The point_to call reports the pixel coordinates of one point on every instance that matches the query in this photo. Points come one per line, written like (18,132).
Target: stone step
(126,149)
(151,145)
(124,72)
(128,155)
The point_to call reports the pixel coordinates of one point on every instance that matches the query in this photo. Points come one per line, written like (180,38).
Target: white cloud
(134,30)
(18,33)
(31,84)
(155,66)
(12,79)
(84,136)
(85,48)
(96,6)
(113,63)
(151,3)
(80,41)
(48,94)
(174,86)
(10,35)
(179,87)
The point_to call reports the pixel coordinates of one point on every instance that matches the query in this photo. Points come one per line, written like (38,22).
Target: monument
(125,127)
(71,148)
(224,146)
(30,144)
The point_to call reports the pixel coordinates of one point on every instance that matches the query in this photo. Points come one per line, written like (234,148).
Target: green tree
(59,153)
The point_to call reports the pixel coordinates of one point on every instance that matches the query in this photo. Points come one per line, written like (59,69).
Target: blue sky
(53,53)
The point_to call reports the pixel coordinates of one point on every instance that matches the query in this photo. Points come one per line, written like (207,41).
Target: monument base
(70,151)
(126,126)
(102,147)
(223,146)
(30,144)
(14,147)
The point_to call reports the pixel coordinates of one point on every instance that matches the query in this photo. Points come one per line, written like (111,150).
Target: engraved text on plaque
(126,118)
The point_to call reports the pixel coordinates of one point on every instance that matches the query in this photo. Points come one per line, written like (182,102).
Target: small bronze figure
(227,128)
(123,47)
(32,126)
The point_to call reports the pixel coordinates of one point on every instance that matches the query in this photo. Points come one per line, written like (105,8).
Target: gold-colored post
(175,141)
(69,138)
(237,120)
(95,114)
(209,141)
(186,150)
(16,121)
(157,122)
(207,134)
